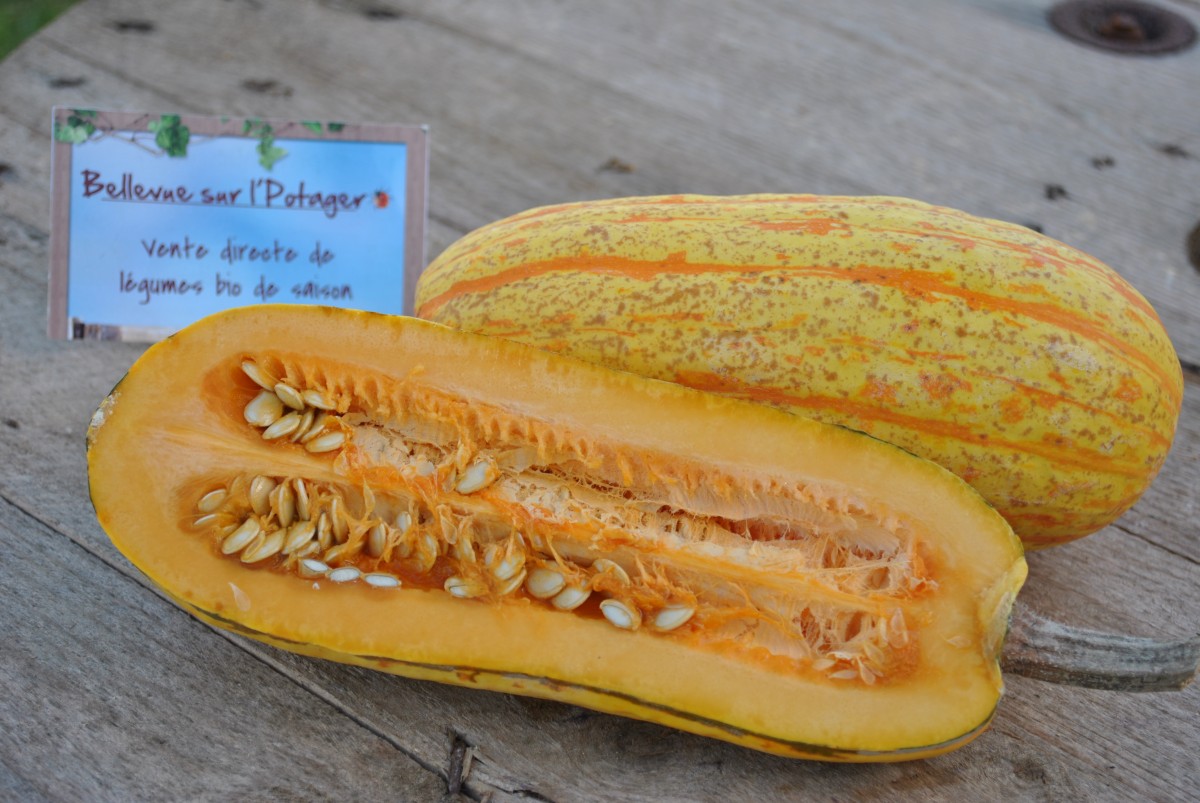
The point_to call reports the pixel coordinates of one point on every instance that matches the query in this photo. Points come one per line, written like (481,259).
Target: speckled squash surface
(396,494)
(1028,368)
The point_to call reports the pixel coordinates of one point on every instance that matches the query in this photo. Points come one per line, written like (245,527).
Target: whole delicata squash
(392,493)
(1028,368)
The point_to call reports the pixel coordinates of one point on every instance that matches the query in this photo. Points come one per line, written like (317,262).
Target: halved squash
(391,493)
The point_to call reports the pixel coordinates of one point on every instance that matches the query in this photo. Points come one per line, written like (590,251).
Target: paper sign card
(161,219)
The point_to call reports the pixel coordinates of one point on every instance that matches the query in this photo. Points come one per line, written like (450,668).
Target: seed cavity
(427,521)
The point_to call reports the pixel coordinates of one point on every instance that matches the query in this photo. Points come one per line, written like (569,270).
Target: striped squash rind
(1030,369)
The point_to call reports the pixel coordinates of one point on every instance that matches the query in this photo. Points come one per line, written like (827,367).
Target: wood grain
(104,685)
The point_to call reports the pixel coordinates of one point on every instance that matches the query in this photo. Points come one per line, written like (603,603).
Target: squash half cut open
(391,493)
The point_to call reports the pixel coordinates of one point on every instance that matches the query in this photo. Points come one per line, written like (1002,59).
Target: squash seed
(283,502)
(317,399)
(263,410)
(326,442)
(340,552)
(316,427)
(464,588)
(426,552)
(344,574)
(289,396)
(571,598)
(212,500)
(261,378)
(240,537)
(205,520)
(311,548)
(512,584)
(324,532)
(504,567)
(301,492)
(298,536)
(604,565)
(621,614)
(377,538)
(477,476)
(544,583)
(341,530)
(464,550)
(260,490)
(306,421)
(282,428)
(672,616)
(381,580)
(311,567)
(263,547)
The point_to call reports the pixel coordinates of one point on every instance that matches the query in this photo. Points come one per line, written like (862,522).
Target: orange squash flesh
(841,599)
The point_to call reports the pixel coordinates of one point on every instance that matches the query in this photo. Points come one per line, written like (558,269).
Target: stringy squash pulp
(391,493)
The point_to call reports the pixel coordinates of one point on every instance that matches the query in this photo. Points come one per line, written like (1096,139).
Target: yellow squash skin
(174,432)
(1028,368)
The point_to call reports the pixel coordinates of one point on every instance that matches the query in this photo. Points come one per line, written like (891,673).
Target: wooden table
(108,691)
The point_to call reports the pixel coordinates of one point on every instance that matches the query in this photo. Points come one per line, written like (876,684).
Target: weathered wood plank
(108,693)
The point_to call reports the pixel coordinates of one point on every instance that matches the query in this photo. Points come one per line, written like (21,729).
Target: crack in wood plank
(1135,534)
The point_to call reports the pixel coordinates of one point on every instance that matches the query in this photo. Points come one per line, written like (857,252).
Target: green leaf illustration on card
(170,134)
(336,127)
(268,152)
(77,128)
(312,126)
